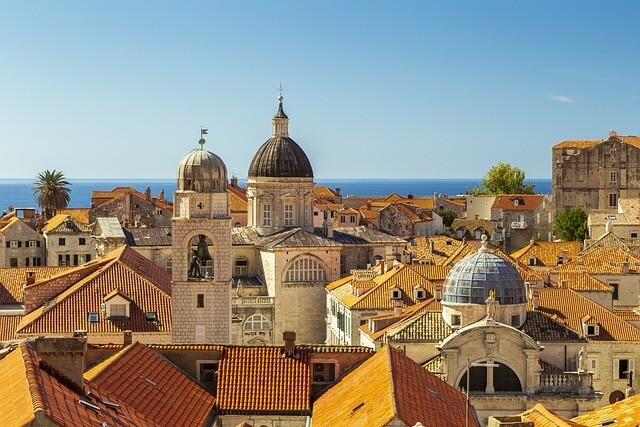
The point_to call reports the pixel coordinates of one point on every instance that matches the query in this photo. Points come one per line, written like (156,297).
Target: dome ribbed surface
(281,157)
(202,171)
(471,279)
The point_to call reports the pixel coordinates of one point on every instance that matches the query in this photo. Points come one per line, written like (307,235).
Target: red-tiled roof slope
(8,326)
(569,307)
(390,386)
(590,143)
(626,413)
(602,261)
(11,280)
(260,380)
(547,253)
(146,284)
(60,403)
(526,202)
(172,399)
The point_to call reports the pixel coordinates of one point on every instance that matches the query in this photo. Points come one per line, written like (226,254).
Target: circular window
(616,396)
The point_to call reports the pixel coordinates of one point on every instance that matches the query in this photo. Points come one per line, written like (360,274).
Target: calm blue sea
(17,192)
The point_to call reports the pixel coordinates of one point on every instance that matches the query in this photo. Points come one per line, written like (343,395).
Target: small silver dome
(202,171)
(471,279)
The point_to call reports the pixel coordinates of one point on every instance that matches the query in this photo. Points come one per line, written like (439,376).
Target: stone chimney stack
(127,338)
(625,267)
(389,258)
(612,133)
(431,246)
(438,292)
(327,226)
(289,338)
(535,299)
(147,193)
(234,181)
(397,308)
(31,278)
(65,355)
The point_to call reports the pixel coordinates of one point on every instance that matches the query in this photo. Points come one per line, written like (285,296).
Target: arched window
(257,322)
(306,270)
(241,267)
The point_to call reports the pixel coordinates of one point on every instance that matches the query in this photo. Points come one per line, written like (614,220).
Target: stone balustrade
(579,383)
(251,301)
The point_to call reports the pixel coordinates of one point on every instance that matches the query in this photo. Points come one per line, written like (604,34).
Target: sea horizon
(17,192)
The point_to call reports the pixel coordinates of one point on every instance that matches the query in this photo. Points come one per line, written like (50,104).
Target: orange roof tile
(12,279)
(570,307)
(590,143)
(628,315)
(542,417)
(443,248)
(526,202)
(547,253)
(153,386)
(323,192)
(582,282)
(144,282)
(4,226)
(602,260)
(80,214)
(626,413)
(16,399)
(238,197)
(390,386)
(8,326)
(261,380)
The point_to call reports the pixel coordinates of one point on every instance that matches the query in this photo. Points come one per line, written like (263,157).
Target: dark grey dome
(280,157)
(471,279)
(202,171)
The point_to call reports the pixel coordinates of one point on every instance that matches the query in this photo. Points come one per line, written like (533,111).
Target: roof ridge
(392,380)
(30,367)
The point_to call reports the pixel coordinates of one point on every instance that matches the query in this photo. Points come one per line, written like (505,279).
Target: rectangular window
(118,310)
(14,244)
(593,367)
(75,259)
(62,241)
(532,260)
(613,177)
(207,371)
(352,218)
(26,262)
(200,301)
(93,318)
(621,368)
(266,215)
(343,219)
(515,320)
(32,243)
(634,235)
(615,295)
(13,262)
(455,320)
(288,215)
(613,200)
(324,372)
(242,267)
(315,213)
(200,337)
(82,241)
(169,265)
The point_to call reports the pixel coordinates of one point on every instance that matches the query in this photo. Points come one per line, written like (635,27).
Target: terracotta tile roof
(542,417)
(238,198)
(394,320)
(144,282)
(97,194)
(590,143)
(65,223)
(582,282)
(433,273)
(323,192)
(404,209)
(80,214)
(391,386)
(12,279)
(260,380)
(428,326)
(546,253)
(4,226)
(170,398)
(569,307)
(8,326)
(526,202)
(34,389)
(379,295)
(369,213)
(628,315)
(626,413)
(543,328)
(607,240)
(474,224)
(443,248)
(602,261)
(548,367)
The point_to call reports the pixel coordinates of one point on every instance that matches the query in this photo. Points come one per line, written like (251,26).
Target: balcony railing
(519,225)
(579,383)
(251,301)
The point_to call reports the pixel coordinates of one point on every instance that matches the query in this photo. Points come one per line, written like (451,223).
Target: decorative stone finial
(485,241)
(612,133)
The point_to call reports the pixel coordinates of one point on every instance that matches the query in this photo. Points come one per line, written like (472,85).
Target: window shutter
(38,243)
(596,330)
(19,243)
(632,365)
(8,243)
(616,368)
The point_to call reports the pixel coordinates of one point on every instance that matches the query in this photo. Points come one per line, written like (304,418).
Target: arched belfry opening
(491,378)
(200,259)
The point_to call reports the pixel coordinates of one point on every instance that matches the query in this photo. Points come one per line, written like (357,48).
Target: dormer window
(589,327)
(117,305)
(532,260)
(151,316)
(420,294)
(515,202)
(396,294)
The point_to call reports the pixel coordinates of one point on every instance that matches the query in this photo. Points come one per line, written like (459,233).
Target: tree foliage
(571,224)
(447,217)
(505,179)
(52,192)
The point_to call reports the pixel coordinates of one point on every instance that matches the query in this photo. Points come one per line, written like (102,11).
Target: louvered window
(306,270)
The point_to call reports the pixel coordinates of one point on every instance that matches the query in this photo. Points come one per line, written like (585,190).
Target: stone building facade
(594,174)
(132,208)
(20,245)
(69,241)
(522,217)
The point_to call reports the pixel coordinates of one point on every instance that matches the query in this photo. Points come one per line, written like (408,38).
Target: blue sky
(373,89)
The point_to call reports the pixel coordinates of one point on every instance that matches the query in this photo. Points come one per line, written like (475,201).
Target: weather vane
(280,97)
(202,133)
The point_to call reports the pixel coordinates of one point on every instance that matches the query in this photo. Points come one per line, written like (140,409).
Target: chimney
(390,260)
(625,267)
(289,338)
(397,308)
(147,193)
(338,191)
(563,283)
(31,278)
(234,181)
(410,196)
(536,299)
(128,338)
(532,242)
(438,292)
(161,196)
(382,265)
(65,355)
(431,245)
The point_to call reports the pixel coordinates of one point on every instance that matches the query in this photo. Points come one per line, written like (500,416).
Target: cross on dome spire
(280,120)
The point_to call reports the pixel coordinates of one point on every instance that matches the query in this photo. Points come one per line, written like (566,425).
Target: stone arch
(505,369)
(302,257)
(206,269)
(190,235)
(256,318)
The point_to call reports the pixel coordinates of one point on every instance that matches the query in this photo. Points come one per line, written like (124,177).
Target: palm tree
(51,191)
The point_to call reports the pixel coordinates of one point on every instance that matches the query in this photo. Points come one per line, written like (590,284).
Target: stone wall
(215,316)
(22,233)
(129,209)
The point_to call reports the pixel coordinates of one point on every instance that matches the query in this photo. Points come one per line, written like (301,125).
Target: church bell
(203,250)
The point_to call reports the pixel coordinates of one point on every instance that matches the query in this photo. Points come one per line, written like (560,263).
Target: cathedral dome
(202,171)
(280,156)
(471,279)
